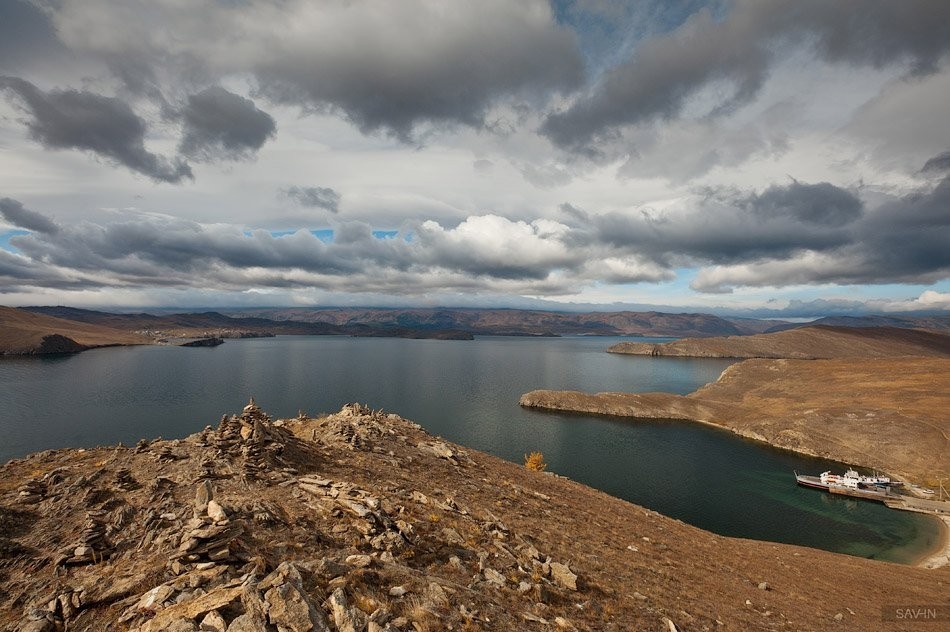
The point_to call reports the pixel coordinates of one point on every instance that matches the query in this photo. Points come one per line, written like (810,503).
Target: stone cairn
(93,547)
(31,492)
(246,435)
(123,480)
(211,537)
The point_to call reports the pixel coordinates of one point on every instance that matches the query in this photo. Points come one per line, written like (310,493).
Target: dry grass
(806,343)
(423,619)
(22,331)
(367,603)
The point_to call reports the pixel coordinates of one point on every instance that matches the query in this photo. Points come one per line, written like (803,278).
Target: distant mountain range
(21,334)
(519,322)
(221,325)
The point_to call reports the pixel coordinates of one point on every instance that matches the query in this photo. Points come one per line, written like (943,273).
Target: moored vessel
(850,484)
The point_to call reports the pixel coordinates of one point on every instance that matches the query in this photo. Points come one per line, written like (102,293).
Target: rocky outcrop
(360,521)
(213,341)
(222,520)
(55,343)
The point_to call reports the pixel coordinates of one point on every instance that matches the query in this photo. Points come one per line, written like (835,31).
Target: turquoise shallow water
(467,392)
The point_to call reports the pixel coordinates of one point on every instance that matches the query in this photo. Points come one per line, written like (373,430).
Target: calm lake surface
(467,392)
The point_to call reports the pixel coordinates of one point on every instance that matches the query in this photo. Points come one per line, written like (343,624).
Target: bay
(467,392)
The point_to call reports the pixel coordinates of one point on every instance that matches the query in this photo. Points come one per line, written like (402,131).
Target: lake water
(467,392)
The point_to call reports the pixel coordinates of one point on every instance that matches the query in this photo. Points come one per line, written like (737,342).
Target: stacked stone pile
(31,492)
(93,546)
(210,537)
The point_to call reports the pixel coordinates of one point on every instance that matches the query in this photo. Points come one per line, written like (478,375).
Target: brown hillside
(806,343)
(23,332)
(885,413)
(361,521)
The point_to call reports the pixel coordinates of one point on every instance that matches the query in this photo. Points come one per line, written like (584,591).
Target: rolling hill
(28,333)
(807,343)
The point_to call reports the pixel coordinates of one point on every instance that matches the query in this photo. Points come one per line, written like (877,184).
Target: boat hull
(810,481)
(867,494)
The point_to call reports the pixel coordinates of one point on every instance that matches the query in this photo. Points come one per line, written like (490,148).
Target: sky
(778,158)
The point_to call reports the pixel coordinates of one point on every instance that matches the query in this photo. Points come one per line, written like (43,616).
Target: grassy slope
(819,342)
(22,332)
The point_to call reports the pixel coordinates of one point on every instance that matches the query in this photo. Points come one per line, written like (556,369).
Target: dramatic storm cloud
(221,124)
(729,226)
(736,51)
(802,232)
(384,65)
(902,240)
(106,126)
(738,154)
(820,204)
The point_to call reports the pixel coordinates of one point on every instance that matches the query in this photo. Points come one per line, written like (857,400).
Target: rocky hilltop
(362,521)
(807,343)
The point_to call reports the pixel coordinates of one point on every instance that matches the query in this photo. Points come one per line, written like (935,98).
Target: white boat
(849,480)
(853,480)
(850,484)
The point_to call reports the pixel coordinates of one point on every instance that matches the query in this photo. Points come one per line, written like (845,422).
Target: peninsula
(878,398)
(360,520)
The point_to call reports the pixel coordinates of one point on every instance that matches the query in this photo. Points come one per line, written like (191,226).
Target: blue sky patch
(5,239)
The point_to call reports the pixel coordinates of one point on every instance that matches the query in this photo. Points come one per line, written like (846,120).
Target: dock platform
(920,505)
(867,494)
